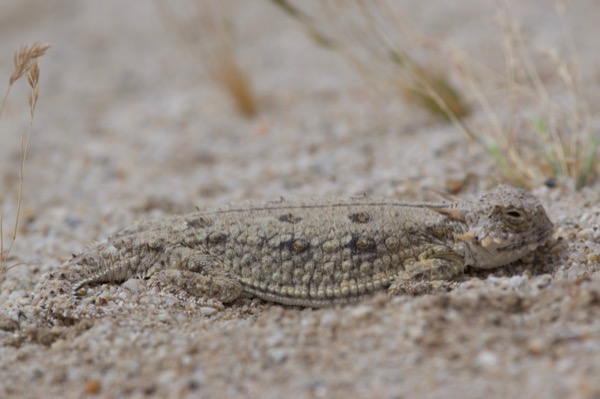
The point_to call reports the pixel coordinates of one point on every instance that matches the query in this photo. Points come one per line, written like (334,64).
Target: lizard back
(309,252)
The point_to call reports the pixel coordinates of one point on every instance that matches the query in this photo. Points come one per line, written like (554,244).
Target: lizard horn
(454,214)
(468,236)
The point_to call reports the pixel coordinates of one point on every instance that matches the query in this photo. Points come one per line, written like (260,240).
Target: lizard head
(502,226)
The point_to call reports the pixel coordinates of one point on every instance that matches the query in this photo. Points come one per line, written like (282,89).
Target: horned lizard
(310,253)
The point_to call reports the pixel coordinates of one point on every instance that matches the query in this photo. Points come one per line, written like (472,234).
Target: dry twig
(25,63)
(206,28)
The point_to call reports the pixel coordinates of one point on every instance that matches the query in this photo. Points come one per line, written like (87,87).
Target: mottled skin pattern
(311,252)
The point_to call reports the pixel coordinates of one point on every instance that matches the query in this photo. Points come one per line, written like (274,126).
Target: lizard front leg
(426,276)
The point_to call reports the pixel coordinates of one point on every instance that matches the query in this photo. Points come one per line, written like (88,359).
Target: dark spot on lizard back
(360,217)
(217,237)
(362,244)
(296,245)
(290,218)
(197,222)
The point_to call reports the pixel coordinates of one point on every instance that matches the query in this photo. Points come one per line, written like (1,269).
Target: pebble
(134,285)
(17,294)
(537,345)
(516,282)
(92,387)
(329,317)
(277,355)
(361,311)
(207,310)
(487,359)
(274,339)
(494,280)
(542,281)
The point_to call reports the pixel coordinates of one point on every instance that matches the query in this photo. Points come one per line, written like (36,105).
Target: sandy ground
(127,128)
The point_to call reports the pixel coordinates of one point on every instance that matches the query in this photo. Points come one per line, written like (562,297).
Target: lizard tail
(56,290)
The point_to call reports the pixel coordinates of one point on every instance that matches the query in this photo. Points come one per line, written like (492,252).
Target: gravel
(126,129)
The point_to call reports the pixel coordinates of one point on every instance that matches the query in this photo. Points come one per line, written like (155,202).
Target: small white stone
(17,294)
(543,281)
(277,355)
(274,339)
(586,233)
(207,310)
(516,282)
(134,285)
(361,311)
(487,359)
(494,280)
(329,318)
(164,316)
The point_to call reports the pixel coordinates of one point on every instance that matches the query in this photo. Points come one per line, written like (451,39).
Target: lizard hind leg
(196,278)
(202,289)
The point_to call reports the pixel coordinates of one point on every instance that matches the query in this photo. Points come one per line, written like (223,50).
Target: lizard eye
(514,214)
(514,218)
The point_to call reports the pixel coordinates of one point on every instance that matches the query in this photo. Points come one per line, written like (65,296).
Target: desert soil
(129,127)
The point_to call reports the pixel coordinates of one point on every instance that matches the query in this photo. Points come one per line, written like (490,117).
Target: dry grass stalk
(554,140)
(379,43)
(206,28)
(25,63)
(23,60)
(306,21)
(557,141)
